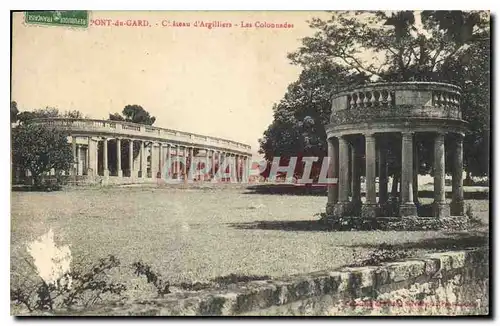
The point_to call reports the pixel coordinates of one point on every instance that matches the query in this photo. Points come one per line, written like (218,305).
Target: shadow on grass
(308,225)
(321,190)
(27,188)
(287,189)
(451,241)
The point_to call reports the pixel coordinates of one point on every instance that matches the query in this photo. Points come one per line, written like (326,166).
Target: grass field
(198,234)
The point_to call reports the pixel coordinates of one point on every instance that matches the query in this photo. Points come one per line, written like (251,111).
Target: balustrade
(121,127)
(396,100)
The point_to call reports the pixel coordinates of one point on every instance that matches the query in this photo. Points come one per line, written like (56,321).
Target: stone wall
(447,283)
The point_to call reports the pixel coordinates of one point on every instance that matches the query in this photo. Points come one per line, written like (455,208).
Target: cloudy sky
(219,82)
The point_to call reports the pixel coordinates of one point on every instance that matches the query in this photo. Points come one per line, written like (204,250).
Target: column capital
(369,137)
(459,136)
(439,137)
(407,136)
(407,133)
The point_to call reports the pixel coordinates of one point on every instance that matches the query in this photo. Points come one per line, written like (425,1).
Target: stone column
(131,157)
(249,166)
(457,202)
(245,169)
(441,208)
(415,171)
(91,157)
(105,157)
(233,168)
(236,168)
(154,161)
(78,160)
(177,161)
(369,208)
(242,168)
(119,157)
(212,167)
(355,178)
(143,161)
(184,166)
(192,168)
(73,144)
(237,163)
(407,206)
(222,163)
(206,170)
(169,170)
(333,190)
(383,194)
(342,206)
(160,160)
(229,158)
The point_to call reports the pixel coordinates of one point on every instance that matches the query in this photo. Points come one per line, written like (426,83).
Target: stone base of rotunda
(356,207)
(341,209)
(330,208)
(369,211)
(457,208)
(407,210)
(440,209)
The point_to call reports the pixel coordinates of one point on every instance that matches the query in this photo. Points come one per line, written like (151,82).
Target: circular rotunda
(380,118)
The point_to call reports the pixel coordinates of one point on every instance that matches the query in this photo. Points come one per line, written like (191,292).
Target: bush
(383,254)
(162,287)
(76,288)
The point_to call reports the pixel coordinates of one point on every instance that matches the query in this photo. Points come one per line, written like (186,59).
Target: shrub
(473,219)
(162,287)
(383,254)
(76,288)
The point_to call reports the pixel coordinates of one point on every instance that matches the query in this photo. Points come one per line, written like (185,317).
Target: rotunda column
(440,207)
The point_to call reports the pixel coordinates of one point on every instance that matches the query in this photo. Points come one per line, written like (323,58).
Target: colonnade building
(122,152)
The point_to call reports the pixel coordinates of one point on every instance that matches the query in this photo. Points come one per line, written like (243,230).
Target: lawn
(198,234)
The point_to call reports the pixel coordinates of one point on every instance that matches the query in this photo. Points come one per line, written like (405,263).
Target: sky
(220,82)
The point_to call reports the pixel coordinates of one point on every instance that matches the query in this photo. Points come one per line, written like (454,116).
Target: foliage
(131,113)
(14,111)
(134,113)
(39,149)
(383,254)
(49,112)
(141,269)
(473,218)
(236,278)
(397,46)
(298,128)
(75,288)
(352,48)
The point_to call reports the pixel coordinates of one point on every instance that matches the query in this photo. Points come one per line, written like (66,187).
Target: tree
(49,112)
(74,114)
(13,111)
(130,113)
(134,113)
(444,46)
(116,117)
(39,149)
(392,45)
(298,127)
